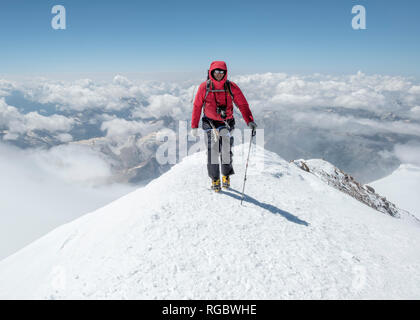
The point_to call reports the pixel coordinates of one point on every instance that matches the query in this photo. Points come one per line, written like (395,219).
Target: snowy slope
(402,187)
(294,237)
(344,182)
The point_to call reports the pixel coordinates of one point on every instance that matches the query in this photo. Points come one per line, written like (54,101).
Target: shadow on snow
(266,206)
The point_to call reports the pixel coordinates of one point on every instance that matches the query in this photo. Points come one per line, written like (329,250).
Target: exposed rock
(346,183)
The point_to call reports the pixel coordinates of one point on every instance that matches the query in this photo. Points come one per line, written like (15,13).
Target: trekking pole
(247,160)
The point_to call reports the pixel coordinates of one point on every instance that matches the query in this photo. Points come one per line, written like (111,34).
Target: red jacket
(221,97)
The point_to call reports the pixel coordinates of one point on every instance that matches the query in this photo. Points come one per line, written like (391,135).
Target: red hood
(218,65)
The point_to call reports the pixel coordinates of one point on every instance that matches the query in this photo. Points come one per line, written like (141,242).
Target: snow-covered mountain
(402,187)
(295,236)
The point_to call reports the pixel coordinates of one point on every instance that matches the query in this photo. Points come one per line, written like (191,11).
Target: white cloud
(415,112)
(408,153)
(166,104)
(287,99)
(275,91)
(10,136)
(353,125)
(64,137)
(34,120)
(120,127)
(75,164)
(40,190)
(6,87)
(361,98)
(8,114)
(375,93)
(414,90)
(86,94)
(18,123)
(122,81)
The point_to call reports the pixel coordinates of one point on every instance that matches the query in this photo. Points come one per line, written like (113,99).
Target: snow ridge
(294,237)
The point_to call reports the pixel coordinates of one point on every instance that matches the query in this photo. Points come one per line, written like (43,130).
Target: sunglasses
(219,71)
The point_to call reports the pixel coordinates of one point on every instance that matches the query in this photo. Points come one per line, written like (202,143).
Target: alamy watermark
(177,145)
(359,20)
(58,22)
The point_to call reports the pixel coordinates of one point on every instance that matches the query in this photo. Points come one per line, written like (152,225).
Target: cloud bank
(41,189)
(364,124)
(292,94)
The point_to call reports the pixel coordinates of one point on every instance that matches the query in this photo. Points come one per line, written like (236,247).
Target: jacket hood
(218,65)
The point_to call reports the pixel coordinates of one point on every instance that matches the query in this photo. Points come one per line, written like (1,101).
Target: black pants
(221,147)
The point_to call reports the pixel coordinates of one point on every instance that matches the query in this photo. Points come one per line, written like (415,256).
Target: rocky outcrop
(347,184)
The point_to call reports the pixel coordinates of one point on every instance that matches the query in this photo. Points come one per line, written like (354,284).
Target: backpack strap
(229,89)
(207,89)
(208,82)
(227,83)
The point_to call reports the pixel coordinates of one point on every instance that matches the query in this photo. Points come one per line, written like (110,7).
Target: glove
(252,125)
(194,132)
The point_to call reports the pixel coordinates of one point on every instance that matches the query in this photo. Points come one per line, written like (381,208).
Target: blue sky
(294,36)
